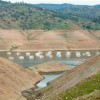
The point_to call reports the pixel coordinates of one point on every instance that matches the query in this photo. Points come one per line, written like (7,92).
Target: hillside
(67,39)
(92,96)
(47,16)
(26,16)
(15,79)
(96,34)
(48,40)
(70,79)
(89,89)
(85,16)
(64,5)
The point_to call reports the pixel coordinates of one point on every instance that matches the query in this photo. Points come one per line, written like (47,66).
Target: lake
(29,59)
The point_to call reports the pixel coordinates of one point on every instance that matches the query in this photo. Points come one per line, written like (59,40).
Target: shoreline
(49,91)
(50,50)
(26,94)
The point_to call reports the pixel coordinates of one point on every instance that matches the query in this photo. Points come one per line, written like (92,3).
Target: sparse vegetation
(85,16)
(19,25)
(27,16)
(85,87)
(14,47)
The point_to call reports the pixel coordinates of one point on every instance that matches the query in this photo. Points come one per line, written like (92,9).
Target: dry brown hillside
(51,67)
(53,39)
(96,34)
(71,78)
(15,79)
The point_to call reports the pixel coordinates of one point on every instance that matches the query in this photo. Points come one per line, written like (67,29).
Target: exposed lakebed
(30,59)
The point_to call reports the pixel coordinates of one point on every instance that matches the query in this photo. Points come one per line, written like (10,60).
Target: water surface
(24,60)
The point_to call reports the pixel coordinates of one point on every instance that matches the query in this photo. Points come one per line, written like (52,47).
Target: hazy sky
(82,2)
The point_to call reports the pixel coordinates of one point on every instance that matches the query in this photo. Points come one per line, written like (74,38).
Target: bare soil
(51,67)
(49,40)
(14,79)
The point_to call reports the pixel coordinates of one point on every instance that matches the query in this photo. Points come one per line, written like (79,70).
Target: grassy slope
(85,87)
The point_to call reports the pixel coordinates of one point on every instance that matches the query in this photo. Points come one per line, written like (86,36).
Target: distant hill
(53,6)
(97,6)
(27,16)
(3,2)
(86,16)
(48,16)
(65,5)
(60,6)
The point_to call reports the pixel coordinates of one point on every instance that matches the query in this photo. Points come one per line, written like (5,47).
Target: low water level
(47,78)
(29,59)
